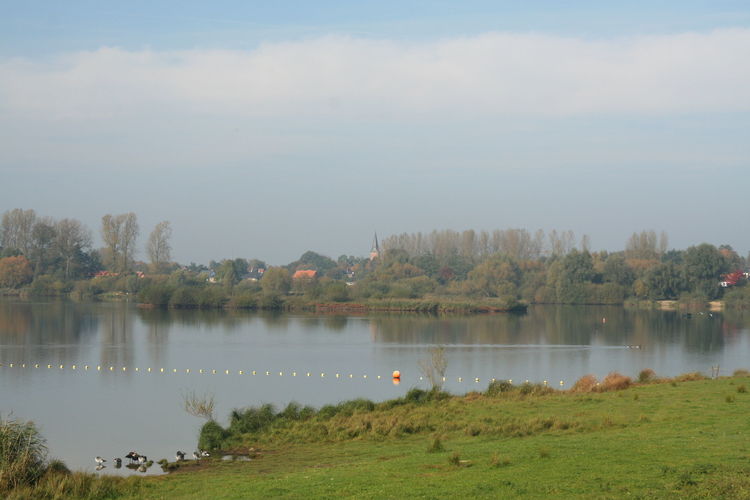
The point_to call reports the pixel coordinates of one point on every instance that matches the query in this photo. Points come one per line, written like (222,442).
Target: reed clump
(615,382)
(23,454)
(26,473)
(587,383)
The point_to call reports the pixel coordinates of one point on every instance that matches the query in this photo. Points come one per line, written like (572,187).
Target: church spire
(375,250)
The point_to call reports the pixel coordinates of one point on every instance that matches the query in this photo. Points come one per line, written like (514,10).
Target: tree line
(44,254)
(34,247)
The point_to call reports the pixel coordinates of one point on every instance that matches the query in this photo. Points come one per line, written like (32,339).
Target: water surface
(123,406)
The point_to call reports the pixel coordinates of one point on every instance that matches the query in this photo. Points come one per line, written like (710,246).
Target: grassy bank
(683,438)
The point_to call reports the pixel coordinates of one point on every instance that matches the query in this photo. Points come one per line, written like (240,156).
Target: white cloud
(485,75)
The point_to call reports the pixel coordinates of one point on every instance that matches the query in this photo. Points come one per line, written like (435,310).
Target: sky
(266,129)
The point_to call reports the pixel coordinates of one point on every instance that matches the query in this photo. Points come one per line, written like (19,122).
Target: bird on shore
(99,460)
(204,453)
(142,459)
(132,456)
(118,462)
(196,455)
(180,455)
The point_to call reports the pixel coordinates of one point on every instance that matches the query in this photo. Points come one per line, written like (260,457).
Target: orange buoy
(396,374)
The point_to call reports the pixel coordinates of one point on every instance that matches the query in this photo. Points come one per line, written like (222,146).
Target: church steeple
(375,250)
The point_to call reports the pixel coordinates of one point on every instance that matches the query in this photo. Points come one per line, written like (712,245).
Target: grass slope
(688,440)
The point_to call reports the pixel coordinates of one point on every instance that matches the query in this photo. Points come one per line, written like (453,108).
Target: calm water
(84,413)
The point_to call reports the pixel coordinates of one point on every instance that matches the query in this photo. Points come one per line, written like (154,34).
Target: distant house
(255,273)
(304,274)
(732,279)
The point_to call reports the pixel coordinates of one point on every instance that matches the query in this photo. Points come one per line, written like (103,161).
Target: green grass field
(687,439)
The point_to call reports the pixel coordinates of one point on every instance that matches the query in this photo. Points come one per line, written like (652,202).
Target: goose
(99,460)
(180,455)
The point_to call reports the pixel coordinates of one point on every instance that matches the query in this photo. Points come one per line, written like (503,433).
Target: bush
(183,297)
(245,300)
(212,436)
(498,387)
(252,420)
(647,375)
(157,295)
(529,389)
(23,454)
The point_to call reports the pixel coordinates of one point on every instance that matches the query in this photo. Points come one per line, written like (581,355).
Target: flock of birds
(143,463)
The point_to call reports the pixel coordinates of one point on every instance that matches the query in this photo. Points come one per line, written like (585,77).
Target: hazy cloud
(485,75)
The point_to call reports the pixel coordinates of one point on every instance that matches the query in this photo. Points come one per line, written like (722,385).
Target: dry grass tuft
(690,377)
(615,382)
(587,383)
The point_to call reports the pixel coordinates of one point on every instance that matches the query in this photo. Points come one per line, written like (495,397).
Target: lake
(107,378)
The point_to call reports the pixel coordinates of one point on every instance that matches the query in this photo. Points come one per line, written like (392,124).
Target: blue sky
(265,129)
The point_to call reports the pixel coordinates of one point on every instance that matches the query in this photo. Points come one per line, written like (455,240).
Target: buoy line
(395,377)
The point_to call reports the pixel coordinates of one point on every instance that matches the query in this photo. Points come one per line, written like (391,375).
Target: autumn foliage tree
(15,271)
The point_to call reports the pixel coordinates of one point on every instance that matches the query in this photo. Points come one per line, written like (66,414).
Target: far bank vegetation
(441,271)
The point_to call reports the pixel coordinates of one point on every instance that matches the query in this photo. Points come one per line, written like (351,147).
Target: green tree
(72,241)
(569,276)
(704,266)
(616,270)
(41,254)
(498,276)
(313,260)
(276,281)
(664,281)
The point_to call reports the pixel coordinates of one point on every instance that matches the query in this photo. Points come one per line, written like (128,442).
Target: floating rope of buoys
(395,375)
